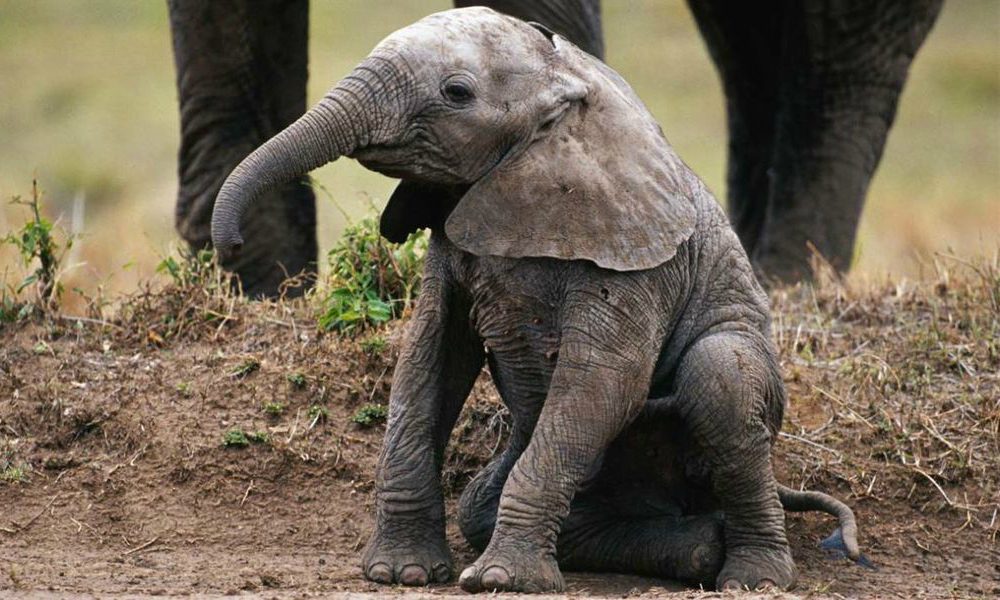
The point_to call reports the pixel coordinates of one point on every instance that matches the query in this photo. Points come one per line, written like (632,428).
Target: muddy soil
(118,480)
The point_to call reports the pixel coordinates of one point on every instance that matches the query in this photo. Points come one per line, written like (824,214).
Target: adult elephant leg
(437,367)
(843,68)
(241,79)
(730,398)
(743,39)
(579,21)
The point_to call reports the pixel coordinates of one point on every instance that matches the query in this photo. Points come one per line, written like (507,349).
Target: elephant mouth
(389,160)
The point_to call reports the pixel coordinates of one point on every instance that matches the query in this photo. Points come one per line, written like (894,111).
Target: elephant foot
(513,570)
(757,568)
(412,559)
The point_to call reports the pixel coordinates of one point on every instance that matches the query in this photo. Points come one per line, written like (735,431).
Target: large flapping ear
(601,183)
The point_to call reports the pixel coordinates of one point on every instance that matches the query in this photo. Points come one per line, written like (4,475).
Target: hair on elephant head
(509,137)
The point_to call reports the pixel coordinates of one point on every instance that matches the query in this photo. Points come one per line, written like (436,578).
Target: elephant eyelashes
(458,92)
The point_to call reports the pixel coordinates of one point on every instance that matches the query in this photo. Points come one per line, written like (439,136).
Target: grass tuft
(371,280)
(298,380)
(238,438)
(370,414)
(245,368)
(36,244)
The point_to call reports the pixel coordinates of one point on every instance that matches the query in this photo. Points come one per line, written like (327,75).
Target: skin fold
(811,89)
(578,257)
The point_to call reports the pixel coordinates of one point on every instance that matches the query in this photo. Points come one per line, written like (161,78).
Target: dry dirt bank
(116,479)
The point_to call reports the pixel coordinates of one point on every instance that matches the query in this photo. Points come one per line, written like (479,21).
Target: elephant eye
(457,91)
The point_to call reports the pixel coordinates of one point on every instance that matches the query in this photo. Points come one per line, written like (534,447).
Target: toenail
(413,575)
(731,585)
(442,573)
(766,584)
(495,578)
(467,580)
(380,573)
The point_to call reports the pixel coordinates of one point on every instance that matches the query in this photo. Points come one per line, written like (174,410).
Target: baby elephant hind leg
(730,397)
(597,537)
(686,548)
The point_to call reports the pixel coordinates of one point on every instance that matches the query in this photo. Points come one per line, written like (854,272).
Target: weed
(185,389)
(13,474)
(318,413)
(371,280)
(274,408)
(258,437)
(245,368)
(373,344)
(191,269)
(35,242)
(296,379)
(370,414)
(237,438)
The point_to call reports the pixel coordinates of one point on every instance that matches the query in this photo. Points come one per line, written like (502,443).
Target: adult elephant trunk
(363,109)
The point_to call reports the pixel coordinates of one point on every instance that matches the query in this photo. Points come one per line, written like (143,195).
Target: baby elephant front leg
(439,363)
(593,394)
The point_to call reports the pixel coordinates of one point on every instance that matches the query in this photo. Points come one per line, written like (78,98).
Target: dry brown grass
(895,387)
(112,429)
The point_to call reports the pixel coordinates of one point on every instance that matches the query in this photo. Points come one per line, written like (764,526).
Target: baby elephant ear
(600,183)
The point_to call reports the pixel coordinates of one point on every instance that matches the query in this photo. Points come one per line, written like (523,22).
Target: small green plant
(274,408)
(370,414)
(36,244)
(371,280)
(316,414)
(237,438)
(245,368)
(13,474)
(296,379)
(373,344)
(258,437)
(195,268)
(184,389)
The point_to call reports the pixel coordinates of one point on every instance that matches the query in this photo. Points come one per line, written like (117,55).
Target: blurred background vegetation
(88,105)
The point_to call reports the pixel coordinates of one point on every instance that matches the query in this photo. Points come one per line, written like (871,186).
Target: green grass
(298,380)
(370,414)
(238,438)
(274,408)
(245,368)
(370,280)
(373,344)
(14,474)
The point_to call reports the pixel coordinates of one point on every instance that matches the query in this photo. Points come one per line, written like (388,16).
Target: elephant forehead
(477,39)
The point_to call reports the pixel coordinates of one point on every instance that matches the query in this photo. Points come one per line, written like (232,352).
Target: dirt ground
(116,480)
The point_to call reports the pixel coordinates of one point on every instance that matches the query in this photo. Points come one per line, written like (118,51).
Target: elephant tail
(845,539)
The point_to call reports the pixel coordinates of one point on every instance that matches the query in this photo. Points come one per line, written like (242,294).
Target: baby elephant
(574,253)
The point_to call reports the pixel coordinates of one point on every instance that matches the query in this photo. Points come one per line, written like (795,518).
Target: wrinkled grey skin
(811,91)
(812,88)
(241,78)
(576,254)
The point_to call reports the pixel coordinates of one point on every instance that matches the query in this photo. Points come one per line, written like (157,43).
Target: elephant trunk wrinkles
(357,112)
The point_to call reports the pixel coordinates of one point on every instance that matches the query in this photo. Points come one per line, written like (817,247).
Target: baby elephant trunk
(358,111)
